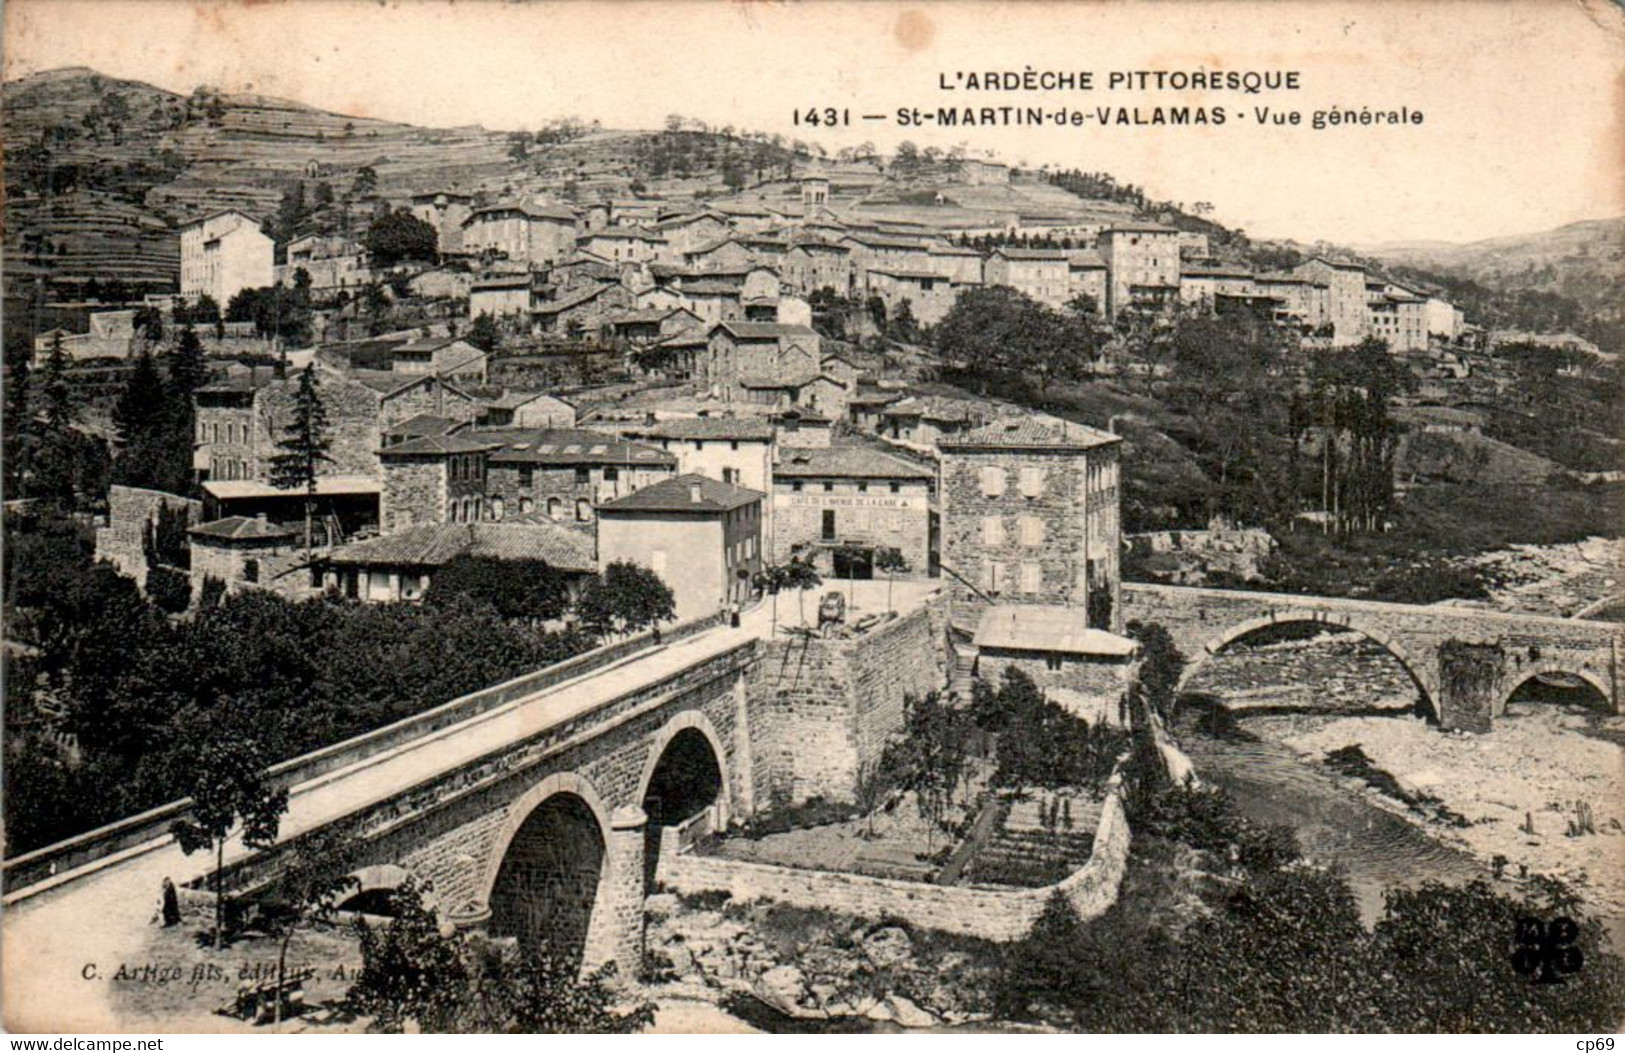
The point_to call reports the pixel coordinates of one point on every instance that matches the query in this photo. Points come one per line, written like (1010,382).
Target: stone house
(1043,274)
(813,265)
(852,501)
(249,552)
(921,422)
(1144,262)
(446,356)
(433,480)
(758,351)
(399,567)
(534,235)
(1030,515)
(582,310)
(624,243)
(688,232)
(565,474)
(929,295)
(445,211)
(527,409)
(1088,276)
(502,295)
(702,537)
(1086,671)
(1345,297)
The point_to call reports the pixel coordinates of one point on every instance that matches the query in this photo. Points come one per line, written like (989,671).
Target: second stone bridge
(1467,663)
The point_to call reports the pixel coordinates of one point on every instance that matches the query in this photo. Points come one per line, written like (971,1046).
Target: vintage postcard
(826,517)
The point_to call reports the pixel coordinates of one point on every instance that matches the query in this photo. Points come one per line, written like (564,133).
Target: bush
(169,590)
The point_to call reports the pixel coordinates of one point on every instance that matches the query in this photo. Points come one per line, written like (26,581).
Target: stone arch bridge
(1490,653)
(537,809)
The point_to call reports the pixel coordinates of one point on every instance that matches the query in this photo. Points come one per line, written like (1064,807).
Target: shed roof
(1053,629)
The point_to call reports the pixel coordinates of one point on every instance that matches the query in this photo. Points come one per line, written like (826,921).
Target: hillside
(98,170)
(1583,261)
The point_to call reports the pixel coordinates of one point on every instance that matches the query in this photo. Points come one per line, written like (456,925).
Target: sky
(1523,102)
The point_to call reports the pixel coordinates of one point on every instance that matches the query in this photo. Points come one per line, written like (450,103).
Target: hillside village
(518,332)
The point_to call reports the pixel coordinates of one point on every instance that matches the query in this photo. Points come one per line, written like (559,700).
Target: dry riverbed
(1536,764)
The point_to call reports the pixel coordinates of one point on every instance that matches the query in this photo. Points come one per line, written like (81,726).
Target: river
(1335,826)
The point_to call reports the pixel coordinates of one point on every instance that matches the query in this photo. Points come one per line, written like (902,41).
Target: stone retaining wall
(992,914)
(822,709)
(129,511)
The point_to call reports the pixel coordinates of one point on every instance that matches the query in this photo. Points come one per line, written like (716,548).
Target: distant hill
(1583,261)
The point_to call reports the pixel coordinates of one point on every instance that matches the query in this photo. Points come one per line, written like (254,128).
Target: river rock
(907,1014)
(782,987)
(888,946)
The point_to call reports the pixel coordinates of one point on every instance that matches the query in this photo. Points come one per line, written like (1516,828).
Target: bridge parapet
(149,829)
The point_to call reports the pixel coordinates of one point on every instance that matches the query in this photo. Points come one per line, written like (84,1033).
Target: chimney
(694,492)
(260,518)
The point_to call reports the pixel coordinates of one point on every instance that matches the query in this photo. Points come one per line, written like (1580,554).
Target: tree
(141,417)
(317,878)
(399,237)
(893,563)
(229,787)
(801,575)
(304,447)
(624,599)
(56,464)
(770,580)
(19,427)
(414,972)
(1000,327)
(484,333)
(366,181)
(528,589)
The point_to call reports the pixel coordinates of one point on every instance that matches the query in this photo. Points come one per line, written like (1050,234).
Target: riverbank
(1533,769)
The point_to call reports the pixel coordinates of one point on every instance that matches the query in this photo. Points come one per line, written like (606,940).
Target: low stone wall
(1002,915)
(129,510)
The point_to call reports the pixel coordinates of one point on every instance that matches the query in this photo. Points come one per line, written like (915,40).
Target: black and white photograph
(891,518)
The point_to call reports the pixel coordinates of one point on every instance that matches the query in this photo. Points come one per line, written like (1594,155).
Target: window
(583,509)
(554,509)
(992,531)
(251,570)
(526,506)
(1053,662)
(1032,531)
(1032,482)
(1032,577)
(895,488)
(992,481)
(863,488)
(527,476)
(583,476)
(733,444)
(611,474)
(796,486)
(828,531)
(829,487)
(496,508)
(731,476)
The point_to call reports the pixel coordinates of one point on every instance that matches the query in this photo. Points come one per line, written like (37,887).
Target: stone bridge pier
(1466,663)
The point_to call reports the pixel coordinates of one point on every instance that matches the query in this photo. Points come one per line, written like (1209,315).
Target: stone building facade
(565,474)
(856,500)
(433,479)
(1030,515)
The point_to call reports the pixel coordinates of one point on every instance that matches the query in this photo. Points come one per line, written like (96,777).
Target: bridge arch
(548,865)
(1522,675)
(1416,670)
(375,885)
(684,783)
